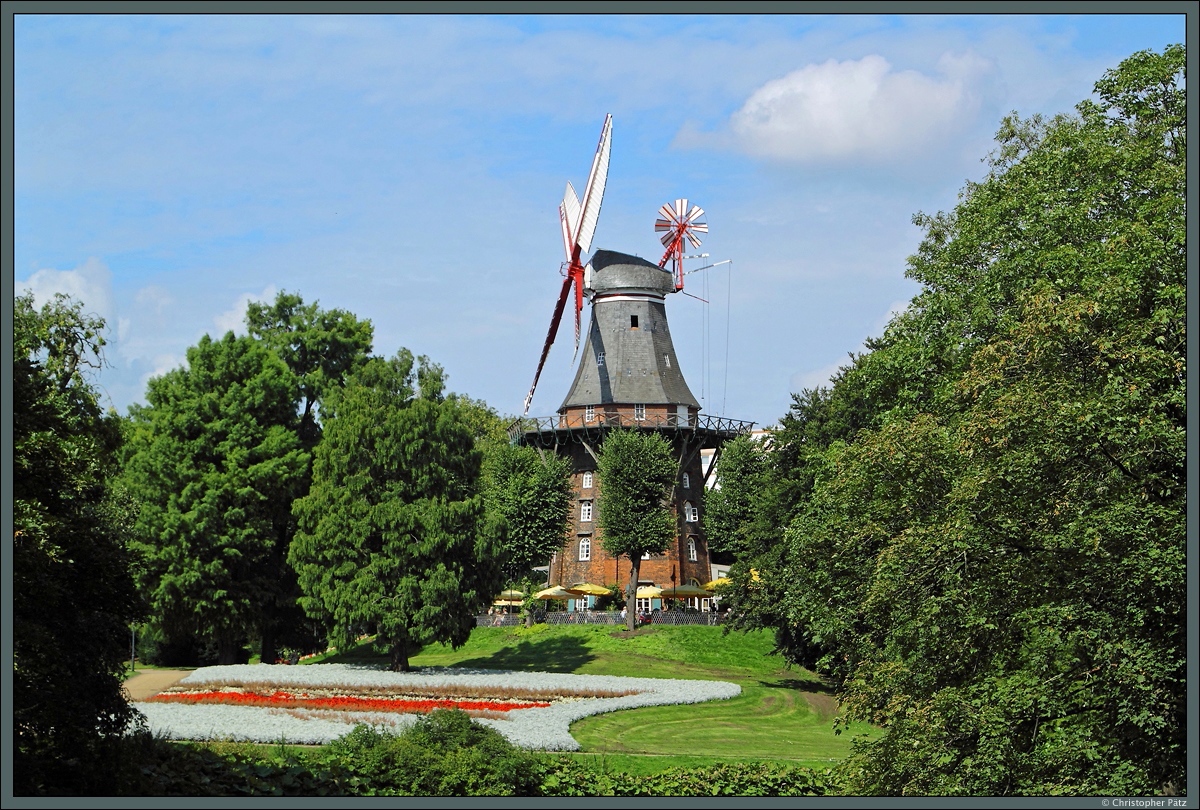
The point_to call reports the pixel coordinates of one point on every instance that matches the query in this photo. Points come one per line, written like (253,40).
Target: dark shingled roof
(639,365)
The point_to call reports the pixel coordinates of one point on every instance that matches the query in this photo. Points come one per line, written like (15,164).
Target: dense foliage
(73,595)
(393,533)
(732,514)
(987,550)
(443,754)
(531,494)
(320,346)
(215,462)
(568,776)
(636,475)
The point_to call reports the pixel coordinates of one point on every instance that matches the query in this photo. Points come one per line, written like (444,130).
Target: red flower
(343,703)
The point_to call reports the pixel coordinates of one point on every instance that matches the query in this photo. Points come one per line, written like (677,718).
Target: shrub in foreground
(444,753)
(566,776)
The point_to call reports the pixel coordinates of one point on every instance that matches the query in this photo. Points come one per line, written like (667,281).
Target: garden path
(150,682)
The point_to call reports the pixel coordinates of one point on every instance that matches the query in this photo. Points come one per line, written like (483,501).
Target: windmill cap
(614,271)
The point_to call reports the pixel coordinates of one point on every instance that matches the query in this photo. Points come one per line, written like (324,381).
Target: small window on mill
(633,321)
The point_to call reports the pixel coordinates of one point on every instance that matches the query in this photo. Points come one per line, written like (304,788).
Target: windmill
(578,221)
(677,222)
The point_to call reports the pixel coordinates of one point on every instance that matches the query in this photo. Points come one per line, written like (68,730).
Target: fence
(673,617)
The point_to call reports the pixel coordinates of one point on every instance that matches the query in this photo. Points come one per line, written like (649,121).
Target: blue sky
(408,169)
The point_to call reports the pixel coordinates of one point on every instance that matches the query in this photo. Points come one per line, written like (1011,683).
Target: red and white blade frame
(578,221)
(677,222)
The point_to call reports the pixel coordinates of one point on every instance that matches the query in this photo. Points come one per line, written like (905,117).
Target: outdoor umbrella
(684,591)
(557,592)
(588,589)
(649,592)
(510,596)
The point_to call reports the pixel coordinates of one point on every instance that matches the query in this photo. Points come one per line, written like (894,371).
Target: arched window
(687,481)
(690,513)
(587,479)
(692,549)
(585,511)
(585,549)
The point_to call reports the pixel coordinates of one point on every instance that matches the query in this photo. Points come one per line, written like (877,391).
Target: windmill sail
(568,216)
(578,222)
(593,194)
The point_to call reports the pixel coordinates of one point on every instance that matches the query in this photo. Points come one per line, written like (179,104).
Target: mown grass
(783,715)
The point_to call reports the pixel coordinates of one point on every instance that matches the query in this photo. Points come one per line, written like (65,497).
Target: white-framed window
(639,413)
(692,549)
(589,413)
(588,479)
(645,605)
(585,549)
(690,513)
(667,360)
(600,358)
(585,511)
(687,481)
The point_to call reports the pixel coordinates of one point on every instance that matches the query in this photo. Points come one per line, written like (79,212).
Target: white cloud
(823,376)
(856,109)
(895,309)
(818,377)
(234,318)
(90,282)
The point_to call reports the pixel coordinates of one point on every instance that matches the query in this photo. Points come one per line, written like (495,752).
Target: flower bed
(315,704)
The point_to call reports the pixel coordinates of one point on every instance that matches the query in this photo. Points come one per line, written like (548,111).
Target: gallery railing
(728,428)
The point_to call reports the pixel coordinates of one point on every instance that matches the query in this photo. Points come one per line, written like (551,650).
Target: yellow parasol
(649,592)
(684,592)
(557,592)
(588,589)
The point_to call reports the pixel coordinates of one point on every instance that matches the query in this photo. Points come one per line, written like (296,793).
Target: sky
(408,169)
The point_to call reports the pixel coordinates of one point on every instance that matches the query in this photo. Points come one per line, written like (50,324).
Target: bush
(565,776)
(442,754)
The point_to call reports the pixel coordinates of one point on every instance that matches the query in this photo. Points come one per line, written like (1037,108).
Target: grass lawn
(783,715)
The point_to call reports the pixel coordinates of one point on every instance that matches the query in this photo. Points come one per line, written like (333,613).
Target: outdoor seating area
(672,617)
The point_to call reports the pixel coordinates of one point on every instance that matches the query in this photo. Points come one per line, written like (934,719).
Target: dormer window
(633,321)
(600,358)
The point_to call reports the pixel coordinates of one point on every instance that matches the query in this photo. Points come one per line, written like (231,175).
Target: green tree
(530,496)
(992,567)
(733,509)
(636,477)
(216,463)
(394,531)
(73,594)
(320,346)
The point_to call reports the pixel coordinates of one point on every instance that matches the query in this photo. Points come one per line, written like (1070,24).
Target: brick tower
(629,377)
